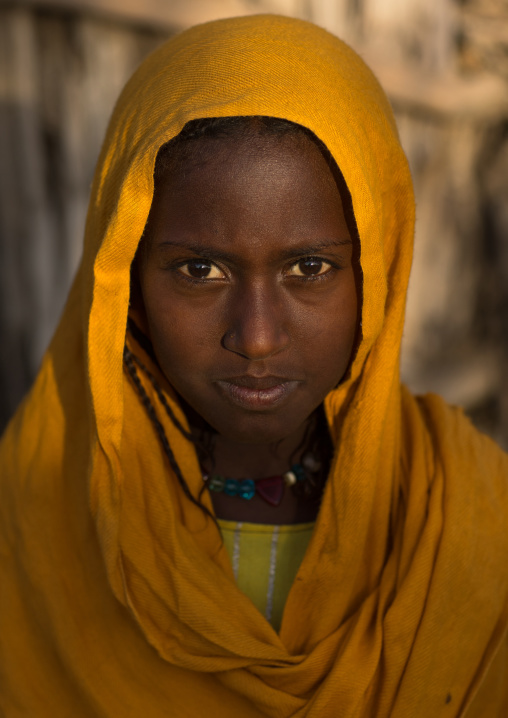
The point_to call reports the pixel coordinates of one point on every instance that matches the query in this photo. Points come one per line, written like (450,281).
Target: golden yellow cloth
(117,596)
(265,560)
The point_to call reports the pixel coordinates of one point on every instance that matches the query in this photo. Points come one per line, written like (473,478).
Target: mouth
(257,393)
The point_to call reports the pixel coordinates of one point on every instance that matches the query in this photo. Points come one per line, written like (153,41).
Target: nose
(257,325)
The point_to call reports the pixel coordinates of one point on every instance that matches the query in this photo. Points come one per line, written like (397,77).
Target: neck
(257,460)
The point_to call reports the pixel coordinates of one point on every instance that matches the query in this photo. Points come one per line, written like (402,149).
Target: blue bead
(247,489)
(232,487)
(298,471)
(216,483)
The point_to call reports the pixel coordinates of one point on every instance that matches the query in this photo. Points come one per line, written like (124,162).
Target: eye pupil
(199,270)
(310,266)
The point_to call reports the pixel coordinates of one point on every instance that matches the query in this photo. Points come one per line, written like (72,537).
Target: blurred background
(444,65)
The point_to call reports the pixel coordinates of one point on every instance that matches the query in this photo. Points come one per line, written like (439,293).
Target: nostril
(255,345)
(257,325)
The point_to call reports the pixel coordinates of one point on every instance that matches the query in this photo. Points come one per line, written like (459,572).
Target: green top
(265,561)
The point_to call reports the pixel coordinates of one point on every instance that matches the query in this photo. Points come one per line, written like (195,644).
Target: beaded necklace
(271,488)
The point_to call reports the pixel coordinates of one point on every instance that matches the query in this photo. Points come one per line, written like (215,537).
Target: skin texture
(249,296)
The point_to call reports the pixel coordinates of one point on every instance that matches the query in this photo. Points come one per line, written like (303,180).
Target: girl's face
(248,284)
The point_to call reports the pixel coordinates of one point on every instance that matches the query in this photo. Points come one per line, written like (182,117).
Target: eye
(201,269)
(309,267)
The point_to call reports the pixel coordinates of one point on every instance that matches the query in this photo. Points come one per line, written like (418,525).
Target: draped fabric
(117,596)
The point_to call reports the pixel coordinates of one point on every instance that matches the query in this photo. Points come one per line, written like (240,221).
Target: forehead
(255,178)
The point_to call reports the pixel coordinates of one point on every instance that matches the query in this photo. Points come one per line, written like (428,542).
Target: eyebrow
(310,249)
(202,250)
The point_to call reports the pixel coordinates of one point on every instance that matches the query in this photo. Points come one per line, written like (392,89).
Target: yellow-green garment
(117,596)
(265,560)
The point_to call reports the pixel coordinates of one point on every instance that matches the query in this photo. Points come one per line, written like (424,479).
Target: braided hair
(130,361)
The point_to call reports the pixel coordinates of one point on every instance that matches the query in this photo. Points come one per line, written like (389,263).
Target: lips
(257,393)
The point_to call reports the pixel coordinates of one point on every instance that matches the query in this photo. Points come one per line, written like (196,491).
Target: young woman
(218,499)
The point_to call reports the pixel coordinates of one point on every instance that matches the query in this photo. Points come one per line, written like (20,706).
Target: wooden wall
(60,74)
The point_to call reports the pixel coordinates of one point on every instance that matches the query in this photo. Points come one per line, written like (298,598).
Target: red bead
(271,489)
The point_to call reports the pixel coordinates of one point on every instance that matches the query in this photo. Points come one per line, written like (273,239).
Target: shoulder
(455,443)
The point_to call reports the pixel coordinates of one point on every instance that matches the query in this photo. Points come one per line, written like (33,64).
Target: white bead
(289,478)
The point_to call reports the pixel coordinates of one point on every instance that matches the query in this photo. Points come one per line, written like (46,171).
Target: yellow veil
(117,595)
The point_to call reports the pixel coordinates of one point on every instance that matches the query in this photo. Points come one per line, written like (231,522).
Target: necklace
(271,488)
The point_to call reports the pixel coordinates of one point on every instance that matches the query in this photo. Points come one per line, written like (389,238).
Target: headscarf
(117,595)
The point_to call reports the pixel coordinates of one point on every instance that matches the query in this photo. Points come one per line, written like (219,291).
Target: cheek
(331,342)
(178,340)
(181,334)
